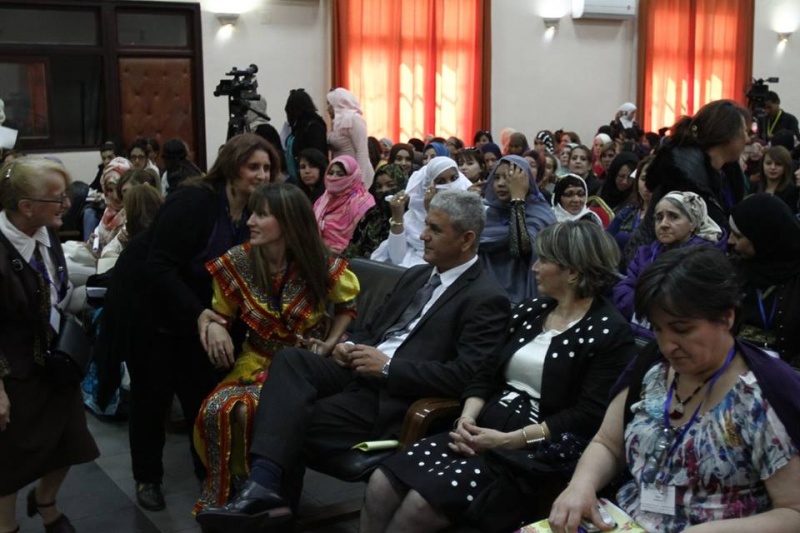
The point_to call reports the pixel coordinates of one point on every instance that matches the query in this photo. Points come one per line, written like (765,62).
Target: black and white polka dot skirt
(448,481)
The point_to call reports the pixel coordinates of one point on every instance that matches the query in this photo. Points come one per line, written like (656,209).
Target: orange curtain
(417,66)
(690,53)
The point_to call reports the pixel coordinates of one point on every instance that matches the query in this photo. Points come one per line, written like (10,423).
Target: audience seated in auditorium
(529,413)
(404,246)
(701,156)
(765,237)
(776,176)
(516,213)
(617,190)
(681,221)
(580,164)
(312,165)
(629,217)
(343,204)
(569,200)
(437,328)
(280,285)
(703,425)
(374,227)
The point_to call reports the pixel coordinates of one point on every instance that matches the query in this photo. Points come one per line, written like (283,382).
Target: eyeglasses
(137,157)
(62,200)
(655,461)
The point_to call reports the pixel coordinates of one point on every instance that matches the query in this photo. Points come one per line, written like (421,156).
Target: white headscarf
(628,113)
(562,215)
(414,219)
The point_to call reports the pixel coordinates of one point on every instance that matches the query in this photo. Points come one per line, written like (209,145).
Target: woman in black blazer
(529,413)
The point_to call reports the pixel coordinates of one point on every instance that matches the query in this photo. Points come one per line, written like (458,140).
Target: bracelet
(459,419)
(534,440)
(392,223)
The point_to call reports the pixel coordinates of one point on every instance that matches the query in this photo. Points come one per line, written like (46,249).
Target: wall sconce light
(228,19)
(783,37)
(551,24)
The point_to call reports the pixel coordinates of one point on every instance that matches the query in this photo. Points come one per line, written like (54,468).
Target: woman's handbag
(68,359)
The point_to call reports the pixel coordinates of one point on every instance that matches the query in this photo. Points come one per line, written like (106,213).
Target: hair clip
(8,172)
(693,129)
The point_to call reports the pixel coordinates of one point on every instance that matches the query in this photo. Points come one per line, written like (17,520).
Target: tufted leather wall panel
(156,99)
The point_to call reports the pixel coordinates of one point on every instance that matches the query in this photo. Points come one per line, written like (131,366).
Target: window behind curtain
(417,66)
(690,53)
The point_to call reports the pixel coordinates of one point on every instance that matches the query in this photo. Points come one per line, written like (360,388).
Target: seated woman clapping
(705,424)
(528,413)
(281,285)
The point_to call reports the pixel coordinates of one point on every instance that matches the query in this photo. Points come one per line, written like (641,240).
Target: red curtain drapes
(418,67)
(690,53)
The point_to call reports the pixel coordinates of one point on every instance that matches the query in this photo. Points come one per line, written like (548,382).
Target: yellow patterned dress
(220,441)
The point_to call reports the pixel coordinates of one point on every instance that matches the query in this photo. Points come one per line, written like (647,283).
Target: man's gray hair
(464,209)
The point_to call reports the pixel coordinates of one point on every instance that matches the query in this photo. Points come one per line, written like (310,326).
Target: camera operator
(777,118)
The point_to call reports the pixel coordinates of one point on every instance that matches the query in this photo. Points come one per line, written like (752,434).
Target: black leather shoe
(254,508)
(149,496)
(60,525)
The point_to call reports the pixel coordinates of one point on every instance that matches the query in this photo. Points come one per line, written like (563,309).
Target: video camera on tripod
(240,90)
(756,98)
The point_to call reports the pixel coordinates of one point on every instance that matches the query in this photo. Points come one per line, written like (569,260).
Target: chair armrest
(422,414)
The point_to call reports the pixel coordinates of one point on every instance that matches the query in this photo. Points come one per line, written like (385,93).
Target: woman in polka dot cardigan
(529,412)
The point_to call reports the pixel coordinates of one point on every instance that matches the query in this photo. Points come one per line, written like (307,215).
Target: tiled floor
(99,497)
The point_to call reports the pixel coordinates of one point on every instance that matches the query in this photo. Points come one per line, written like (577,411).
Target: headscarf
(414,219)
(346,108)
(112,172)
(254,120)
(626,108)
(775,233)
(342,205)
(374,227)
(697,211)
(610,193)
(505,137)
(562,215)
(493,148)
(439,148)
(606,138)
(547,140)
(513,274)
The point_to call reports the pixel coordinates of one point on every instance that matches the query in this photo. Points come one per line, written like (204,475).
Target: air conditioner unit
(603,9)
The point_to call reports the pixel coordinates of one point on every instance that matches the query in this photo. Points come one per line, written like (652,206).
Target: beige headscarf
(695,208)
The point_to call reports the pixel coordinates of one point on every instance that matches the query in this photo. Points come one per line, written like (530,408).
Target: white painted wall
(575,81)
(780,60)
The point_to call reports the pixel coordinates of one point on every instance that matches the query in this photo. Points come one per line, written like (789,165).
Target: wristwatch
(385,369)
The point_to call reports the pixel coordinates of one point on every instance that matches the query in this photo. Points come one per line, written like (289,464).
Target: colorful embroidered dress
(220,442)
(719,467)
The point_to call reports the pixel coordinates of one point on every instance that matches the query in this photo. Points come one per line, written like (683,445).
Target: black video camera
(243,85)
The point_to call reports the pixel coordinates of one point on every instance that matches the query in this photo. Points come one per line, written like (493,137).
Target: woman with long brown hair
(280,285)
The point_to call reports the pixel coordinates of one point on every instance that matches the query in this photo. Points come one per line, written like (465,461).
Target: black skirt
(448,481)
(47,431)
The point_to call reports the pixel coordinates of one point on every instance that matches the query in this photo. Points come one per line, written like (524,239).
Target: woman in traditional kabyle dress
(281,285)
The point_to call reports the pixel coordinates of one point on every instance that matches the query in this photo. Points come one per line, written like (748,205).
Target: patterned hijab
(695,208)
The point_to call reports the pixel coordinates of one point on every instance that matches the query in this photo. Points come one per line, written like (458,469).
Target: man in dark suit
(441,321)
